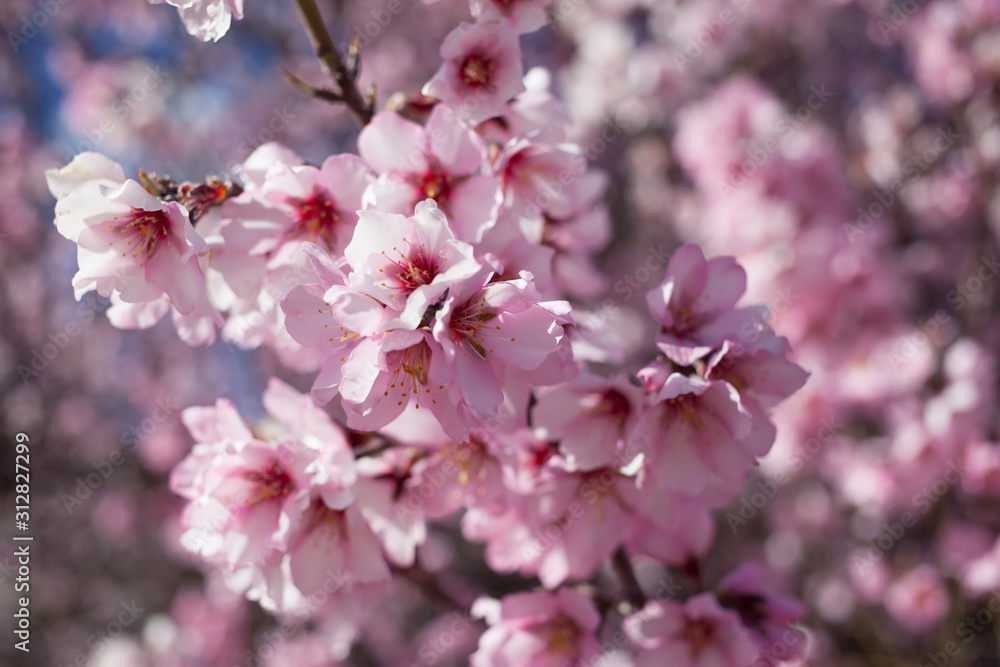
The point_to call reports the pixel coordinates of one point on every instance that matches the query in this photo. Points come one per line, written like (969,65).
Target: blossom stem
(344,76)
(630,585)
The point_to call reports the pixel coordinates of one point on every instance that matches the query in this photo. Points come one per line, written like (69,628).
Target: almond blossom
(481,71)
(131,246)
(208,20)
(591,418)
(408,262)
(538,629)
(442,161)
(298,203)
(507,455)
(522,15)
(699,633)
(694,305)
(691,432)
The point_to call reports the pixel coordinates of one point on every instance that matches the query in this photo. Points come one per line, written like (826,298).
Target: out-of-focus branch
(630,585)
(426,582)
(343,74)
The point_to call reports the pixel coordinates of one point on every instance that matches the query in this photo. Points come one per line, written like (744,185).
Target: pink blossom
(443,162)
(377,492)
(460,367)
(208,20)
(579,236)
(239,491)
(667,526)
(383,377)
(298,203)
(216,423)
(982,466)
(328,532)
(481,71)
(536,112)
(560,530)
(982,573)
(523,16)
(762,379)
(918,600)
(767,616)
(407,263)
(591,418)
(130,244)
(959,543)
(540,178)
(506,241)
(456,476)
(538,629)
(690,302)
(484,329)
(244,490)
(334,322)
(82,169)
(699,633)
(691,433)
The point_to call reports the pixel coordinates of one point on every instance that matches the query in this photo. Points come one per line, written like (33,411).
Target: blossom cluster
(877,265)
(618,502)
(429,283)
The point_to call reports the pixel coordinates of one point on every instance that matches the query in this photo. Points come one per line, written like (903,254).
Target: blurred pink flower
(538,629)
(918,600)
(699,633)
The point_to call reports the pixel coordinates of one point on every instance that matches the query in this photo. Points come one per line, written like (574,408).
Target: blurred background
(845,151)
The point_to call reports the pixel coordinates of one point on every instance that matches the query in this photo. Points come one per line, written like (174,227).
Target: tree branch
(630,585)
(430,587)
(361,107)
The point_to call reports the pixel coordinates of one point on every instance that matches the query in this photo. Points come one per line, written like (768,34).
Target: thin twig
(311,90)
(344,76)
(630,585)
(430,587)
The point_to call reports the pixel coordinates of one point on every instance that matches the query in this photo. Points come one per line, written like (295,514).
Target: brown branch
(630,585)
(430,587)
(311,90)
(343,75)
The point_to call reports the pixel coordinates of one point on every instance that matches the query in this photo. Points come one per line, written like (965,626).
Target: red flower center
(145,230)
(698,633)
(562,637)
(268,484)
(434,184)
(477,71)
(416,269)
(466,322)
(314,218)
(611,403)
